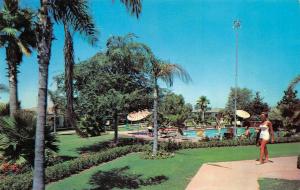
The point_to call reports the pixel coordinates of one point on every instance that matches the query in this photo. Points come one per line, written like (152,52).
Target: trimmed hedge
(65,169)
(173,146)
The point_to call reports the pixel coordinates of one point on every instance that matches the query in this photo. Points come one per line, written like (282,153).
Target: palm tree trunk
(116,123)
(13,91)
(69,67)
(155,123)
(44,39)
(203,115)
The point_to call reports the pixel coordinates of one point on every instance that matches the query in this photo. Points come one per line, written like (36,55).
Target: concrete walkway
(242,175)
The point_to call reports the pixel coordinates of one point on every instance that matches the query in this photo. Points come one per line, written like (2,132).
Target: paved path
(242,175)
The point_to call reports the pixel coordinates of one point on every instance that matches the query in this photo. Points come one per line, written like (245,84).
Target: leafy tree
(202,105)
(174,109)
(244,97)
(16,29)
(289,107)
(123,87)
(257,106)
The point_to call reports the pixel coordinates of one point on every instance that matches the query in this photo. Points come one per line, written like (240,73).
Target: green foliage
(17,137)
(4,109)
(174,110)
(244,98)
(257,106)
(289,107)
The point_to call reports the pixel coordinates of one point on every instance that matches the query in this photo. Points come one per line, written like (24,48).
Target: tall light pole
(236,26)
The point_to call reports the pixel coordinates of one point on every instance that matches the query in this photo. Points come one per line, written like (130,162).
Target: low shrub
(65,169)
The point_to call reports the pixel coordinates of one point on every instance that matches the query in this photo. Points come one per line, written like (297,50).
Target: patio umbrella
(136,116)
(242,114)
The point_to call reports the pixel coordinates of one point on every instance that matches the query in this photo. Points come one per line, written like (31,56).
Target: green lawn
(70,143)
(278,184)
(131,171)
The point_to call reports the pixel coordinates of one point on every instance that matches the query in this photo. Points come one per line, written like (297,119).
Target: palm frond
(9,31)
(133,6)
(76,14)
(167,72)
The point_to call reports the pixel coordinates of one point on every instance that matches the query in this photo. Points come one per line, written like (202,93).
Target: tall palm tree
(44,41)
(202,105)
(44,35)
(166,72)
(74,16)
(16,29)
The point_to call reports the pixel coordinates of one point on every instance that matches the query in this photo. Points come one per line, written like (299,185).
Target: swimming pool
(210,133)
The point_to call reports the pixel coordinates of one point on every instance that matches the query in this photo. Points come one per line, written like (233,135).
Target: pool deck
(243,175)
(160,138)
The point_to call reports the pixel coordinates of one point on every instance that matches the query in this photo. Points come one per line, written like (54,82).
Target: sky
(197,34)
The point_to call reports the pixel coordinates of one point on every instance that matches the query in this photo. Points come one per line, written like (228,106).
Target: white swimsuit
(264,134)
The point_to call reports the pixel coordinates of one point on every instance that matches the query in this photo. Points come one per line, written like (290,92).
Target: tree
(257,106)
(166,72)
(73,15)
(16,29)
(174,110)
(123,87)
(289,107)
(202,105)
(44,41)
(244,97)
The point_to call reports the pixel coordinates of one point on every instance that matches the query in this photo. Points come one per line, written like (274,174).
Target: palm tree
(44,41)
(202,104)
(73,15)
(16,29)
(166,72)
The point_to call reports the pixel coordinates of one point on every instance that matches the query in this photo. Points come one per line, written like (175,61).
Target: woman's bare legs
(266,154)
(262,150)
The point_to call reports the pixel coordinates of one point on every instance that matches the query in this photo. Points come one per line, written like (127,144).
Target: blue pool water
(214,132)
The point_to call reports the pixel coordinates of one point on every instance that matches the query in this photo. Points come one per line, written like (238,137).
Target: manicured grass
(179,170)
(278,184)
(69,144)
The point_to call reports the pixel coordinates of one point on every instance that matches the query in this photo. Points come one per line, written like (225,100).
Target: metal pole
(236,25)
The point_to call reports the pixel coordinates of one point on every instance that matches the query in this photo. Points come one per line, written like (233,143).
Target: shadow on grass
(118,178)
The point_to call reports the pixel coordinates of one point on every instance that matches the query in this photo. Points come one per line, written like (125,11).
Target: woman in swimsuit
(264,137)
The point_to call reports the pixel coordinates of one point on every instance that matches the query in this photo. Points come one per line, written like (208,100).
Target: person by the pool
(264,137)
